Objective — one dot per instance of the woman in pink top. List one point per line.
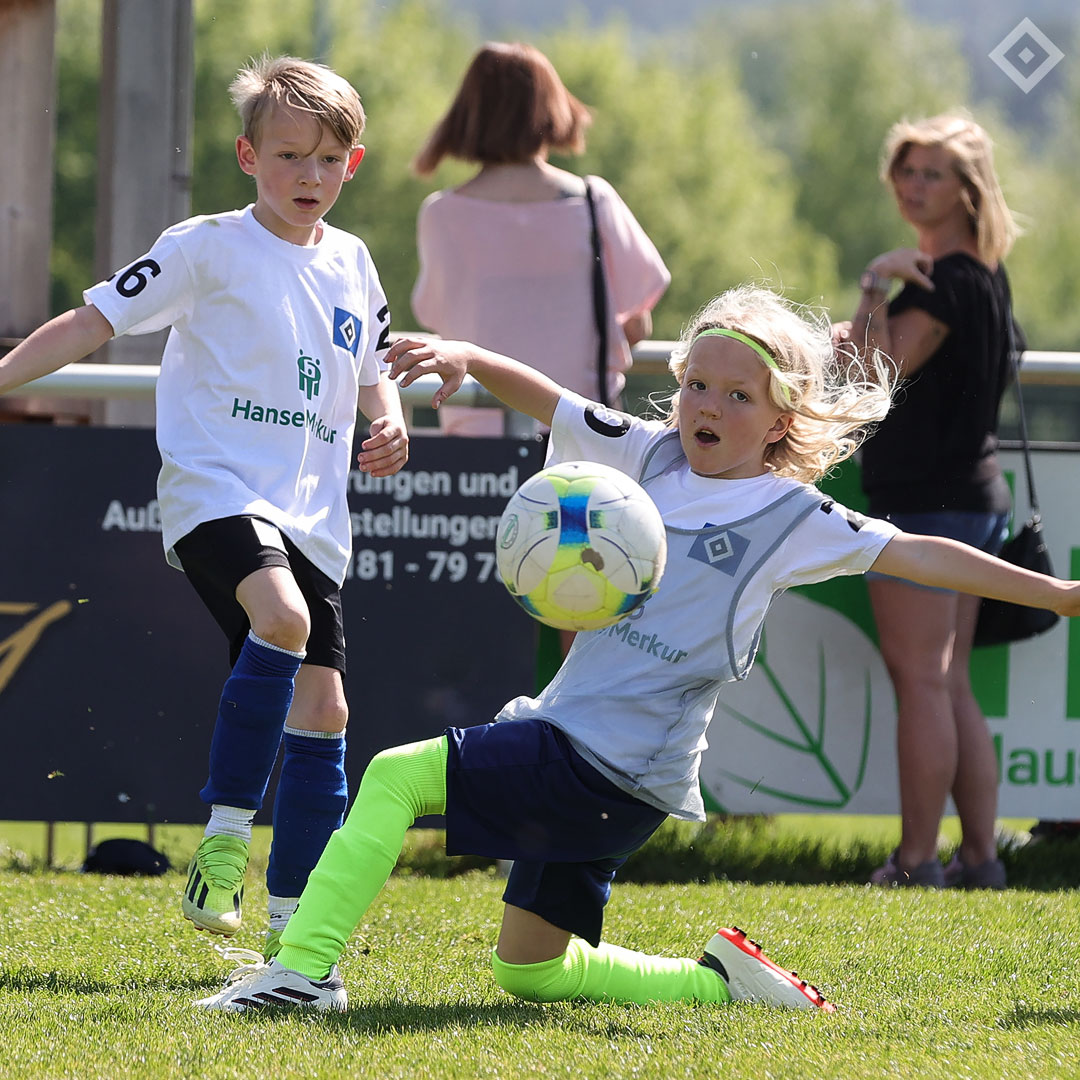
(506, 258)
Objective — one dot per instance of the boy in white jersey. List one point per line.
(572, 782)
(279, 328)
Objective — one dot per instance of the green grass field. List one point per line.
(97, 974)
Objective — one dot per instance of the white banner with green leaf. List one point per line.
(813, 728)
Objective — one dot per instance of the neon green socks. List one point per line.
(609, 973)
(398, 786)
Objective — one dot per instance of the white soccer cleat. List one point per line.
(257, 985)
(751, 976)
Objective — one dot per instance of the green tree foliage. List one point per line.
(680, 145)
(78, 62)
(827, 89)
(1045, 264)
(748, 149)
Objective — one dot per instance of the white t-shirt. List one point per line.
(636, 698)
(256, 401)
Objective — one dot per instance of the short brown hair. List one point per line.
(297, 84)
(511, 104)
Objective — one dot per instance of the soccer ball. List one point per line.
(580, 545)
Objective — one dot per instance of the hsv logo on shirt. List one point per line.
(721, 549)
(347, 330)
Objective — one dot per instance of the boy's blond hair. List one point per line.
(297, 84)
(834, 395)
(972, 153)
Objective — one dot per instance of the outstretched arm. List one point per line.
(386, 450)
(63, 340)
(948, 564)
(517, 385)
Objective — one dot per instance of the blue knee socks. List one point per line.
(251, 715)
(311, 798)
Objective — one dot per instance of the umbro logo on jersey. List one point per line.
(607, 422)
(855, 521)
(721, 548)
(347, 330)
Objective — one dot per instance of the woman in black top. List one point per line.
(932, 468)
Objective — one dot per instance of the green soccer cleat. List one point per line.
(272, 945)
(214, 894)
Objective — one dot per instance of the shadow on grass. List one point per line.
(1024, 1016)
(28, 980)
(393, 1017)
(753, 851)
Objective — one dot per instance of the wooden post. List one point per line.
(27, 133)
(144, 154)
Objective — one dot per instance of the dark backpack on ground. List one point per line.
(120, 856)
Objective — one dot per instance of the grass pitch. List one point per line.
(97, 977)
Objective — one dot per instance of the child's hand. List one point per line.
(410, 358)
(387, 449)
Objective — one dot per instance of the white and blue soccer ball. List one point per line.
(580, 545)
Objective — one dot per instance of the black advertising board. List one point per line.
(110, 668)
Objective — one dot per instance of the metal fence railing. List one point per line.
(131, 381)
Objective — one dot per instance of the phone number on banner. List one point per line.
(444, 566)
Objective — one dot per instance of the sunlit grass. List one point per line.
(98, 975)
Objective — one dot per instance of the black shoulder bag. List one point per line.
(599, 292)
(1001, 622)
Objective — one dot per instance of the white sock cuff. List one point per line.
(314, 734)
(230, 821)
(277, 648)
(280, 910)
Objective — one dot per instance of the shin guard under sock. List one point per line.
(254, 704)
(312, 794)
(398, 786)
(610, 973)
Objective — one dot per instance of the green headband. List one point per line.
(768, 359)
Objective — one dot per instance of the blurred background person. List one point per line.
(932, 468)
(506, 259)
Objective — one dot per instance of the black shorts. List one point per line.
(218, 555)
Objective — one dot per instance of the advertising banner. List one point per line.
(110, 668)
(813, 727)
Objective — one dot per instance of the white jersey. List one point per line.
(636, 698)
(256, 401)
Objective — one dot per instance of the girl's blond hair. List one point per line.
(297, 84)
(835, 395)
(972, 152)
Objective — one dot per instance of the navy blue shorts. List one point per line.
(518, 790)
